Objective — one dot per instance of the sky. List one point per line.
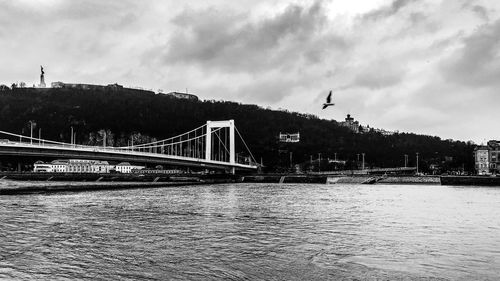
(423, 66)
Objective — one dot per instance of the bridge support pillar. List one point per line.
(208, 139)
(208, 142)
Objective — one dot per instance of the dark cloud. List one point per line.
(477, 9)
(231, 42)
(387, 11)
(477, 62)
(379, 74)
(480, 11)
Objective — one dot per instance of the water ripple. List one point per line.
(253, 232)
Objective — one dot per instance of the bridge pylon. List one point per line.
(208, 139)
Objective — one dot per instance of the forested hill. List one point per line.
(123, 113)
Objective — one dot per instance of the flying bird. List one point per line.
(328, 101)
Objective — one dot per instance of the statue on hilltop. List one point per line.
(42, 77)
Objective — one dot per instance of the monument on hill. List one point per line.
(42, 78)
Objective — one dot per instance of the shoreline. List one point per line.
(342, 179)
(29, 183)
(14, 187)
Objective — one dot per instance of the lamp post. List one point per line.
(310, 163)
(319, 162)
(417, 162)
(31, 130)
(406, 160)
(71, 135)
(363, 166)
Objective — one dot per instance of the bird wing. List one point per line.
(325, 106)
(329, 98)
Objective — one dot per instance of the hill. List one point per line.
(143, 115)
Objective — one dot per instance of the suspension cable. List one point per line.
(248, 149)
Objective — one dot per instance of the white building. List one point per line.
(79, 166)
(101, 167)
(59, 166)
(289, 137)
(73, 166)
(126, 168)
(481, 159)
(41, 167)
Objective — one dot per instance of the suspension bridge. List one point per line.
(210, 146)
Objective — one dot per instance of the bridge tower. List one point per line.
(208, 139)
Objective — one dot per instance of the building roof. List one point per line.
(59, 162)
(481, 147)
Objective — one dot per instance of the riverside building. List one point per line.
(487, 158)
(73, 166)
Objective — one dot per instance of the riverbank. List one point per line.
(341, 179)
(24, 183)
(14, 187)
(470, 180)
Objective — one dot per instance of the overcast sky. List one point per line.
(429, 67)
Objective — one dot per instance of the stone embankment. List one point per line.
(411, 180)
(24, 183)
(351, 179)
(10, 187)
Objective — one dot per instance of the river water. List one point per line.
(254, 232)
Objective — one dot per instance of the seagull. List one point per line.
(328, 101)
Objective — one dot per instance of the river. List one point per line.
(254, 232)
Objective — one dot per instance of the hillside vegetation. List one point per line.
(143, 115)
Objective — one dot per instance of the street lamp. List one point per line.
(319, 162)
(363, 166)
(31, 130)
(417, 162)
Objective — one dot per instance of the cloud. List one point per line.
(477, 62)
(379, 74)
(398, 64)
(229, 41)
(387, 11)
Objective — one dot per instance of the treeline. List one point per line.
(125, 114)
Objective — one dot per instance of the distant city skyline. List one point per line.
(428, 67)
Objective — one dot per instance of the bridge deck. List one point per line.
(111, 154)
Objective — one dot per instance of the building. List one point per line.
(481, 159)
(356, 127)
(289, 137)
(41, 167)
(101, 167)
(494, 156)
(59, 166)
(73, 166)
(79, 166)
(186, 96)
(127, 168)
(350, 123)
(487, 158)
